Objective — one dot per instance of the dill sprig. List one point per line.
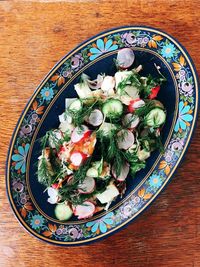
(78, 117)
(110, 151)
(67, 191)
(44, 172)
(150, 83)
(143, 111)
(44, 140)
(132, 79)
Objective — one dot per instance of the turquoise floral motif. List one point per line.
(184, 117)
(102, 47)
(168, 50)
(155, 181)
(37, 221)
(101, 225)
(20, 158)
(47, 93)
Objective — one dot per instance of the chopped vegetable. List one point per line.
(125, 58)
(104, 134)
(83, 90)
(87, 186)
(108, 85)
(107, 128)
(112, 108)
(85, 210)
(134, 104)
(63, 212)
(108, 195)
(154, 92)
(130, 121)
(95, 118)
(77, 158)
(123, 174)
(79, 133)
(125, 139)
(155, 118)
(75, 106)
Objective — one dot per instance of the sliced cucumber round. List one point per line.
(112, 108)
(63, 212)
(75, 106)
(155, 118)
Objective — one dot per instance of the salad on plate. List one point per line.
(105, 134)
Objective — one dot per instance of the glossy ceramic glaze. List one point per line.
(179, 95)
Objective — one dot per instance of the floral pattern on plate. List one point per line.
(130, 37)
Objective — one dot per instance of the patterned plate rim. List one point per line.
(108, 224)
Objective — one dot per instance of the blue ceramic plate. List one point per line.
(179, 95)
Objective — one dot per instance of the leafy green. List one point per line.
(132, 79)
(78, 117)
(150, 83)
(135, 167)
(44, 173)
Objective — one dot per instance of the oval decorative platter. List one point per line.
(179, 95)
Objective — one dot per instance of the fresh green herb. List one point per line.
(44, 139)
(78, 117)
(53, 165)
(150, 83)
(45, 172)
(67, 192)
(132, 79)
(111, 152)
(135, 167)
(143, 111)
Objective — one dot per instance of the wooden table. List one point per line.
(34, 35)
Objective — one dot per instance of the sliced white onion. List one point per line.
(96, 84)
(53, 195)
(108, 85)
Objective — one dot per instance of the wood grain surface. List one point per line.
(34, 35)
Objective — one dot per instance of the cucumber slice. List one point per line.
(155, 118)
(75, 106)
(63, 212)
(112, 108)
